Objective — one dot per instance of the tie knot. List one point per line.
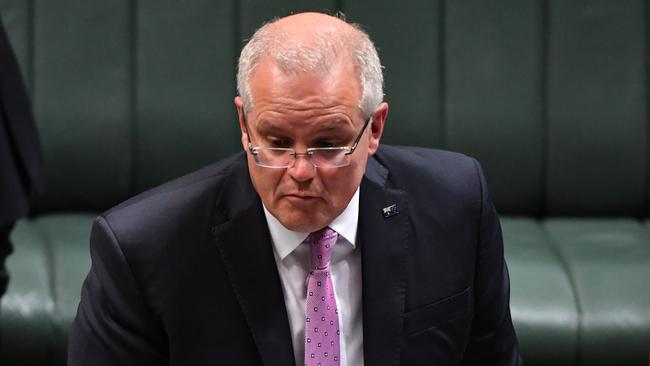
(321, 243)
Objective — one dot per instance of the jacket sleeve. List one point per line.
(492, 340)
(113, 325)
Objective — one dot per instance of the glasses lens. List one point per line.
(273, 158)
(330, 158)
(334, 157)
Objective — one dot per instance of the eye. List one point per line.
(327, 143)
(279, 142)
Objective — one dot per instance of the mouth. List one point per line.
(302, 199)
(303, 196)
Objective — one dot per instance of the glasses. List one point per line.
(320, 157)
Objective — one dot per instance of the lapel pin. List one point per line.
(390, 211)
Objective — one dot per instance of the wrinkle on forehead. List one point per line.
(334, 123)
(304, 96)
(319, 105)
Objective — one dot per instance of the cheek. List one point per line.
(265, 182)
(343, 182)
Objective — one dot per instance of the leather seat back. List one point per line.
(550, 96)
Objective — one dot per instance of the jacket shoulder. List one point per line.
(211, 174)
(434, 180)
(418, 165)
(182, 201)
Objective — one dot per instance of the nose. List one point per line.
(302, 169)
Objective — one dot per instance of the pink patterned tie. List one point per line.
(321, 318)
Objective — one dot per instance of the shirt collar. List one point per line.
(286, 241)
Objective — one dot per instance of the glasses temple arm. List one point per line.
(248, 136)
(356, 141)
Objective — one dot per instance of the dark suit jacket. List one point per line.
(185, 274)
(20, 151)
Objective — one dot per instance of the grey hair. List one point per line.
(294, 55)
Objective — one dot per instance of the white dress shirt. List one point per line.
(292, 259)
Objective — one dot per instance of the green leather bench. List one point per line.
(551, 96)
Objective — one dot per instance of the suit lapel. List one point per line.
(245, 246)
(242, 236)
(384, 242)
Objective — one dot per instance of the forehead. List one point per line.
(281, 126)
(336, 89)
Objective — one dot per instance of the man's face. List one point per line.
(300, 111)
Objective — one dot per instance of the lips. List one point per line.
(302, 199)
(302, 196)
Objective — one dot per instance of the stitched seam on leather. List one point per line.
(52, 280)
(442, 72)
(647, 103)
(133, 97)
(574, 288)
(543, 205)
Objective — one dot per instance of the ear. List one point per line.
(239, 105)
(377, 127)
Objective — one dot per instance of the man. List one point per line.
(20, 151)
(315, 246)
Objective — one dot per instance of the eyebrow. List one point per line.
(267, 127)
(335, 125)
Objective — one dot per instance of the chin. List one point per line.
(302, 218)
(303, 223)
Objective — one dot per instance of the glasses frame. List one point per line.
(254, 150)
